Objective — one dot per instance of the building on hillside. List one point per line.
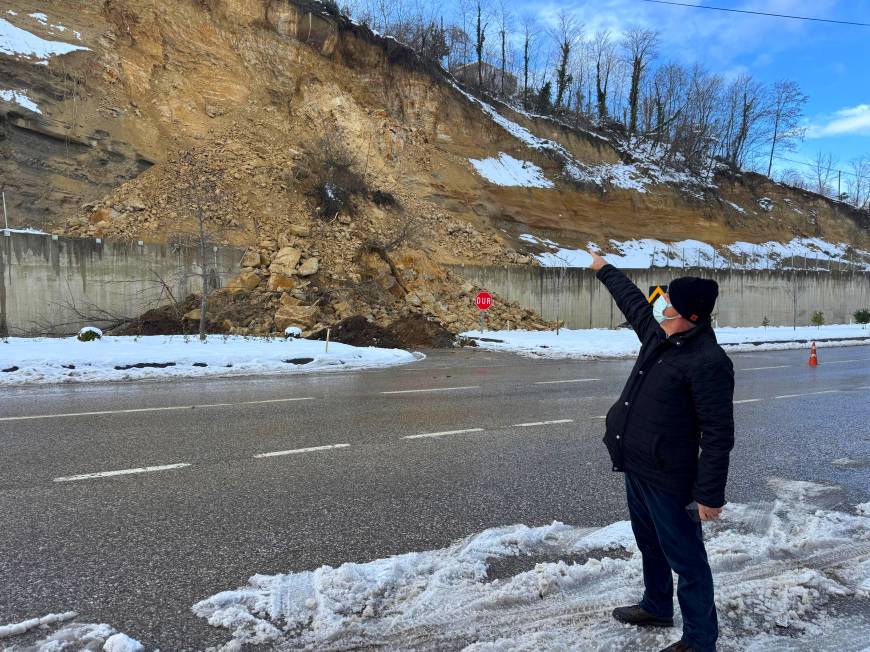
(492, 78)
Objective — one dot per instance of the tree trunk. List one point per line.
(203, 303)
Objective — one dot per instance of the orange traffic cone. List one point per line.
(814, 359)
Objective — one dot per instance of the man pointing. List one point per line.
(671, 432)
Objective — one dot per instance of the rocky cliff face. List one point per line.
(139, 116)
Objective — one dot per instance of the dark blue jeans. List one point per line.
(669, 540)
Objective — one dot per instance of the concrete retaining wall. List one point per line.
(44, 279)
(745, 297)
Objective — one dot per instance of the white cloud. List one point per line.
(720, 39)
(851, 120)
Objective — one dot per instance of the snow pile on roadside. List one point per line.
(622, 342)
(19, 42)
(51, 360)
(645, 253)
(69, 637)
(20, 98)
(778, 567)
(14, 629)
(508, 171)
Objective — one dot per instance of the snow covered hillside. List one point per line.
(799, 253)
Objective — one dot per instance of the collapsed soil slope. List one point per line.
(231, 107)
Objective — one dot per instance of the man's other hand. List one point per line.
(598, 261)
(708, 513)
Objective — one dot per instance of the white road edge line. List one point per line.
(748, 400)
(436, 389)
(827, 391)
(560, 382)
(108, 474)
(841, 361)
(779, 366)
(443, 434)
(153, 409)
(541, 423)
(296, 451)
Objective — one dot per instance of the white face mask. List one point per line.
(659, 307)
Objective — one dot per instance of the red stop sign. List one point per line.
(483, 300)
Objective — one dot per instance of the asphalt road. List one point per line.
(505, 440)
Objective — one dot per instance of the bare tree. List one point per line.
(823, 169)
(640, 46)
(858, 182)
(505, 20)
(604, 60)
(785, 111)
(529, 34)
(744, 107)
(566, 36)
(480, 39)
(202, 193)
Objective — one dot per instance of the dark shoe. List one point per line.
(635, 615)
(679, 646)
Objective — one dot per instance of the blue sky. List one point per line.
(830, 62)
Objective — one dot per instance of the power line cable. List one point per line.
(812, 165)
(760, 13)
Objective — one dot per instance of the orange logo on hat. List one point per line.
(694, 317)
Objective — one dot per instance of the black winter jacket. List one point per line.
(679, 398)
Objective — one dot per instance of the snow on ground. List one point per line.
(20, 98)
(622, 342)
(26, 229)
(779, 567)
(52, 360)
(19, 42)
(508, 171)
(791, 574)
(73, 637)
(799, 253)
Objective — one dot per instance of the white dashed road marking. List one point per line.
(443, 434)
(779, 366)
(297, 451)
(827, 391)
(560, 382)
(541, 423)
(436, 389)
(108, 474)
(154, 409)
(748, 400)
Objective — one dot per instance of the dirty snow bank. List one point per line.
(51, 360)
(777, 565)
(508, 171)
(622, 342)
(791, 574)
(19, 42)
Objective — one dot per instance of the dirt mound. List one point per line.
(412, 331)
(358, 331)
(418, 331)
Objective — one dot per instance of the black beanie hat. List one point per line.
(693, 297)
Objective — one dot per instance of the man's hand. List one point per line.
(597, 260)
(708, 513)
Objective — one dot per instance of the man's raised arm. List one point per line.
(629, 299)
